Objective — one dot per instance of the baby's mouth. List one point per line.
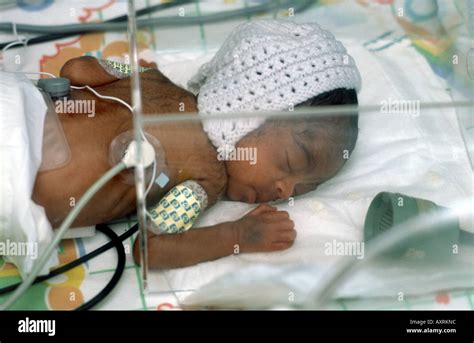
(249, 197)
(244, 194)
(261, 197)
(252, 197)
(265, 199)
(248, 194)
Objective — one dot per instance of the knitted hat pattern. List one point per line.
(268, 65)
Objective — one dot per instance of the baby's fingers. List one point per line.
(281, 245)
(262, 208)
(283, 240)
(276, 216)
(286, 236)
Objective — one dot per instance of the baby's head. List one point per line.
(276, 65)
(293, 156)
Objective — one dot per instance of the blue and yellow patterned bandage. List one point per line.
(178, 209)
(117, 69)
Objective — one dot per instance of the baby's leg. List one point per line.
(86, 70)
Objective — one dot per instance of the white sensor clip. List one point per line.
(130, 154)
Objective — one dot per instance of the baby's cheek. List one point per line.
(232, 191)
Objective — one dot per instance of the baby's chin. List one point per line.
(251, 197)
(241, 194)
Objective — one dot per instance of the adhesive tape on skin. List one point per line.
(56, 152)
(119, 146)
(177, 211)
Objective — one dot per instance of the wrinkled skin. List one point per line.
(278, 173)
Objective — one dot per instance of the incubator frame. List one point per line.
(463, 108)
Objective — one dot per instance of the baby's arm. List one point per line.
(264, 229)
(87, 70)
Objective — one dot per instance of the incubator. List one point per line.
(391, 228)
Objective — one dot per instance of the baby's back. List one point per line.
(188, 152)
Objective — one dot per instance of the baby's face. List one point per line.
(283, 167)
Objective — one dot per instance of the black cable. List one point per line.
(117, 274)
(211, 18)
(148, 10)
(77, 262)
(115, 241)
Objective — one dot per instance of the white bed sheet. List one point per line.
(419, 155)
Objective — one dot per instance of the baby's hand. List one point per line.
(265, 229)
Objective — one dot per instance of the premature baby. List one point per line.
(264, 65)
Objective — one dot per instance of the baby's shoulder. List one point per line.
(191, 156)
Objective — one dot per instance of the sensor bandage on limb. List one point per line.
(177, 211)
(117, 69)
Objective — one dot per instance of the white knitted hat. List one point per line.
(268, 65)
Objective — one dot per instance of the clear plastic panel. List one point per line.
(415, 138)
(39, 43)
(414, 111)
(420, 155)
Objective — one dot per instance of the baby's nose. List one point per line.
(284, 189)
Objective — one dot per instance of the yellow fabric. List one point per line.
(176, 211)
